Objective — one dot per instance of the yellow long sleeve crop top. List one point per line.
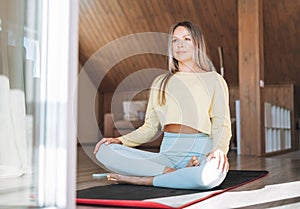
(198, 100)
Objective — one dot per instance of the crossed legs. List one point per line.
(138, 167)
(146, 180)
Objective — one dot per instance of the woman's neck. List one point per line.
(190, 67)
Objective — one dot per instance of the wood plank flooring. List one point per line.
(284, 174)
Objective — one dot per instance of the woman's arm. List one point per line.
(220, 117)
(147, 131)
(221, 125)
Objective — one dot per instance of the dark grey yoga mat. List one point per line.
(128, 194)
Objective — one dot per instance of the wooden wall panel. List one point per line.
(281, 44)
(281, 95)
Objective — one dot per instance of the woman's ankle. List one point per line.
(168, 170)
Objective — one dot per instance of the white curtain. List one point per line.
(11, 41)
(13, 140)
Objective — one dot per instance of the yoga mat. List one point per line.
(153, 197)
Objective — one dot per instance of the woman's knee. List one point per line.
(210, 176)
(103, 153)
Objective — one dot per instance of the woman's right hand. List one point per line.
(106, 141)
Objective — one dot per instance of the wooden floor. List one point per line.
(272, 191)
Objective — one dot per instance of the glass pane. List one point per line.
(19, 95)
(38, 69)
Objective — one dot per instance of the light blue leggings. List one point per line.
(175, 152)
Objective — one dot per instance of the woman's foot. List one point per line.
(193, 162)
(168, 170)
(137, 180)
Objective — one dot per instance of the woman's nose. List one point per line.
(180, 43)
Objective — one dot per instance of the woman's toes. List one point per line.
(193, 162)
(113, 178)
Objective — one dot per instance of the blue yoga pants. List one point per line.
(175, 152)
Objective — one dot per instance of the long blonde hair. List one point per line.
(199, 56)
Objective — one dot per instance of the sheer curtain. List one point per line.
(38, 102)
(12, 14)
(13, 134)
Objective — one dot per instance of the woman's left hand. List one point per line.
(221, 158)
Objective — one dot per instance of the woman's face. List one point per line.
(182, 45)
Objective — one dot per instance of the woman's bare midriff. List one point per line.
(178, 128)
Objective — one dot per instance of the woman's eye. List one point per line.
(187, 39)
(174, 40)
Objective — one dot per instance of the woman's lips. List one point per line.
(180, 52)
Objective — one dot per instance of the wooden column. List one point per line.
(251, 72)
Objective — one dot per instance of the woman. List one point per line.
(190, 103)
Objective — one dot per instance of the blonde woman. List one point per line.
(190, 103)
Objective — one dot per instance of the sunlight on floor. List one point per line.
(243, 199)
(16, 191)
